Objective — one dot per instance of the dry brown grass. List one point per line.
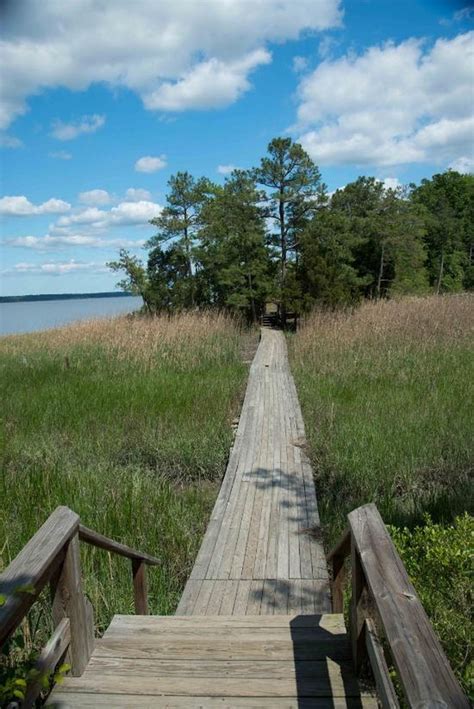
(146, 341)
(426, 321)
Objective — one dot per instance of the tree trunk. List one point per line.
(281, 208)
(440, 275)
(187, 247)
(381, 267)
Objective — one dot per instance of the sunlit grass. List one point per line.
(128, 422)
(386, 393)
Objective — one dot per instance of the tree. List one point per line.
(136, 279)
(326, 270)
(293, 193)
(448, 199)
(235, 264)
(388, 231)
(179, 221)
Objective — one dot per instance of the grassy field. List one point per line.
(128, 422)
(387, 393)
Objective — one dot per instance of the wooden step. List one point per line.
(229, 661)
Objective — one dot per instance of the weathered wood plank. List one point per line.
(69, 602)
(33, 567)
(49, 657)
(385, 690)
(423, 668)
(86, 700)
(99, 540)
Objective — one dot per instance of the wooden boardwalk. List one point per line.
(254, 626)
(260, 554)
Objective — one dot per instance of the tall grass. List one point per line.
(387, 399)
(128, 422)
(385, 392)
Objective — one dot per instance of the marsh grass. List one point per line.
(128, 422)
(386, 392)
(387, 399)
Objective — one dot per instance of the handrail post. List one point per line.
(140, 586)
(69, 602)
(357, 623)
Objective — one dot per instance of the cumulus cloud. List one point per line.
(174, 54)
(20, 206)
(69, 131)
(55, 268)
(464, 165)
(124, 213)
(150, 164)
(58, 243)
(210, 84)
(60, 155)
(99, 197)
(392, 104)
(134, 194)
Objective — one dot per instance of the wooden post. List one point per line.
(69, 602)
(357, 623)
(140, 589)
(337, 586)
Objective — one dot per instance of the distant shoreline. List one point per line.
(62, 296)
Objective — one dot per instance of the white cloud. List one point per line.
(20, 206)
(60, 155)
(226, 169)
(299, 64)
(125, 213)
(150, 164)
(99, 197)
(393, 104)
(166, 52)
(209, 84)
(58, 243)
(391, 183)
(463, 165)
(134, 194)
(69, 131)
(55, 268)
(9, 141)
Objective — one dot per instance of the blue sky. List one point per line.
(101, 104)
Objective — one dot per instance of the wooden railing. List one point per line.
(52, 556)
(385, 603)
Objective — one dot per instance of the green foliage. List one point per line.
(439, 559)
(294, 192)
(234, 262)
(448, 199)
(273, 234)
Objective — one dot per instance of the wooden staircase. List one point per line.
(225, 661)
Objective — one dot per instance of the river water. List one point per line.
(23, 316)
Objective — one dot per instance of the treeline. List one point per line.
(273, 233)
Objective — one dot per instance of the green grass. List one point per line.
(387, 393)
(128, 423)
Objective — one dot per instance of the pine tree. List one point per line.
(179, 222)
(235, 262)
(293, 193)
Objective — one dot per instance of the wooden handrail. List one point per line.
(24, 579)
(382, 592)
(99, 540)
(52, 555)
